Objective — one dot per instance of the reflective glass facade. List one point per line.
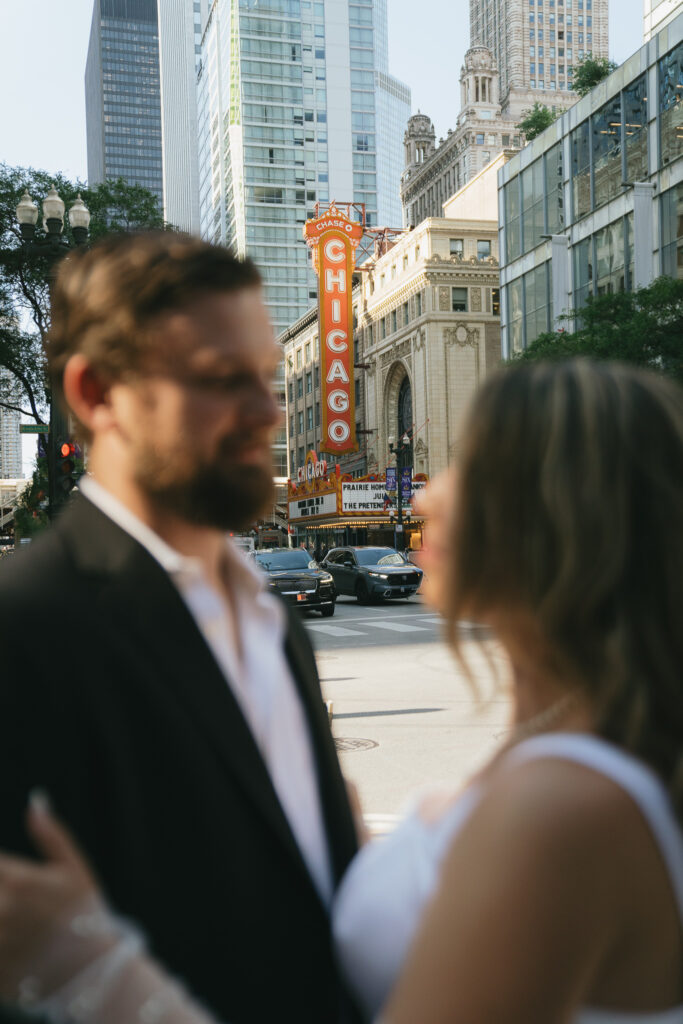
(534, 204)
(671, 105)
(123, 105)
(295, 106)
(672, 232)
(610, 149)
(597, 199)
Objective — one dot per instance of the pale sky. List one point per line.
(43, 47)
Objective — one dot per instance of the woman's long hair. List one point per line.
(571, 511)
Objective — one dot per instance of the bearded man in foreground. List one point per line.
(169, 706)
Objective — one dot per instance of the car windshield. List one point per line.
(379, 556)
(274, 561)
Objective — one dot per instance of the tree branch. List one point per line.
(28, 388)
(17, 408)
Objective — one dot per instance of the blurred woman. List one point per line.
(551, 889)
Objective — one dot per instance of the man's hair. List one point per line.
(105, 298)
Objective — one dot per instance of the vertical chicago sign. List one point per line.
(333, 239)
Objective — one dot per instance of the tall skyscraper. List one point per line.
(536, 43)
(10, 442)
(122, 94)
(295, 105)
(141, 104)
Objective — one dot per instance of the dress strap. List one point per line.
(633, 776)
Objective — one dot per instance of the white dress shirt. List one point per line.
(260, 679)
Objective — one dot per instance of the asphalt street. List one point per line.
(406, 716)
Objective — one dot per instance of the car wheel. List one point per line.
(362, 594)
(327, 611)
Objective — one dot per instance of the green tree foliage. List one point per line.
(589, 71)
(644, 327)
(30, 516)
(24, 282)
(25, 300)
(536, 120)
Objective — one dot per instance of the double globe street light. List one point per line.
(52, 246)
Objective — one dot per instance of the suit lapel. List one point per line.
(341, 833)
(138, 599)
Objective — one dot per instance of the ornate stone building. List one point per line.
(428, 332)
(535, 44)
(434, 174)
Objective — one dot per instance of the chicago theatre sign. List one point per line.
(333, 239)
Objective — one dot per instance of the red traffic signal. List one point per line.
(67, 474)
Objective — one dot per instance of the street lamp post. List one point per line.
(399, 450)
(52, 247)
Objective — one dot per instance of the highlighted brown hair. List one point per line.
(571, 512)
(105, 298)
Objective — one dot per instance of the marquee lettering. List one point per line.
(335, 250)
(338, 279)
(337, 371)
(337, 341)
(333, 239)
(338, 401)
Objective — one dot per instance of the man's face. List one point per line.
(198, 423)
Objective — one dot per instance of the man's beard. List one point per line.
(215, 494)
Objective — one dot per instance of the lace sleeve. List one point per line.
(96, 971)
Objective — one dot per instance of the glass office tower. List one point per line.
(295, 106)
(141, 103)
(595, 205)
(122, 94)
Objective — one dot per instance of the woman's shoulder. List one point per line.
(554, 800)
(556, 827)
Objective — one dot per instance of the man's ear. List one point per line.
(86, 393)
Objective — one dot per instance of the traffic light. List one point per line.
(66, 467)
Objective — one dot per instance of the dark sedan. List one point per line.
(372, 573)
(298, 578)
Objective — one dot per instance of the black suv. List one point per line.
(294, 574)
(372, 573)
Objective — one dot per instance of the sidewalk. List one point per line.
(406, 718)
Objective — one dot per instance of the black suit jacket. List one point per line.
(111, 701)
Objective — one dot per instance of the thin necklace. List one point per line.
(544, 719)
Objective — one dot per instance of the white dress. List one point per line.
(388, 885)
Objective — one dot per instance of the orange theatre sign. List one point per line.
(333, 239)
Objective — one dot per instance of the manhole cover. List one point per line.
(346, 743)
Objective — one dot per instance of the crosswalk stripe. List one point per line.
(334, 630)
(398, 627)
(381, 824)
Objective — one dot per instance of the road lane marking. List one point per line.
(334, 630)
(381, 824)
(397, 627)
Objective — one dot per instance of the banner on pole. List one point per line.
(406, 483)
(333, 239)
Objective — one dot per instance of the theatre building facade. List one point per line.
(426, 333)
